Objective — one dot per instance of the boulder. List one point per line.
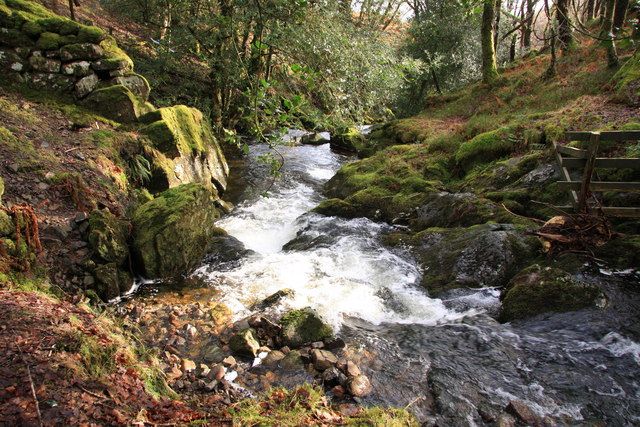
(86, 85)
(245, 343)
(107, 236)
(117, 103)
(45, 65)
(445, 209)
(81, 51)
(77, 68)
(50, 81)
(226, 248)
(183, 149)
(350, 140)
(135, 83)
(303, 326)
(536, 290)
(173, 231)
(316, 138)
(111, 281)
(482, 255)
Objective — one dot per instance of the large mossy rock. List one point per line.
(172, 233)
(538, 290)
(117, 103)
(303, 326)
(108, 236)
(111, 281)
(478, 256)
(622, 253)
(627, 81)
(350, 140)
(486, 147)
(183, 149)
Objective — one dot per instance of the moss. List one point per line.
(98, 360)
(7, 227)
(114, 57)
(116, 103)
(32, 29)
(178, 130)
(108, 236)
(627, 81)
(93, 35)
(14, 38)
(486, 147)
(350, 139)
(538, 290)
(303, 406)
(623, 252)
(49, 41)
(337, 207)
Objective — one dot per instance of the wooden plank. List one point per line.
(619, 212)
(573, 152)
(602, 185)
(584, 194)
(603, 163)
(631, 135)
(564, 172)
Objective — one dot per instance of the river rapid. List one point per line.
(447, 359)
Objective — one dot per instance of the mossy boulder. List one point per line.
(80, 51)
(111, 281)
(50, 41)
(183, 149)
(172, 232)
(537, 290)
(245, 343)
(478, 256)
(303, 326)
(14, 38)
(622, 253)
(486, 147)
(108, 236)
(337, 207)
(117, 103)
(114, 58)
(627, 81)
(135, 83)
(90, 34)
(350, 140)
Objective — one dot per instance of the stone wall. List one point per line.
(50, 51)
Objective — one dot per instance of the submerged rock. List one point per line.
(173, 232)
(482, 255)
(537, 290)
(316, 138)
(303, 326)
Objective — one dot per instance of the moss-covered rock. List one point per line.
(337, 207)
(108, 236)
(303, 326)
(111, 281)
(350, 139)
(627, 81)
(117, 103)
(537, 290)
(49, 41)
(622, 253)
(183, 149)
(245, 343)
(80, 51)
(89, 34)
(135, 83)
(478, 256)
(173, 231)
(114, 57)
(486, 147)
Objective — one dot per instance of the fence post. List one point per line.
(594, 142)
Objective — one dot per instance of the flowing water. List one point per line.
(448, 359)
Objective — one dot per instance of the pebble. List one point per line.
(323, 359)
(229, 361)
(360, 386)
(217, 372)
(188, 365)
(352, 369)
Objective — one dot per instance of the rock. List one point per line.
(188, 365)
(212, 354)
(323, 359)
(245, 343)
(224, 248)
(81, 51)
(229, 361)
(273, 357)
(292, 360)
(522, 412)
(541, 175)
(203, 370)
(316, 138)
(482, 255)
(335, 344)
(45, 65)
(352, 369)
(360, 386)
(117, 103)
(78, 69)
(275, 298)
(350, 140)
(454, 210)
(332, 377)
(135, 83)
(173, 231)
(217, 372)
(111, 281)
(185, 149)
(86, 85)
(338, 391)
(107, 236)
(538, 289)
(303, 326)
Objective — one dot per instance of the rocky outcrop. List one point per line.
(49, 51)
(172, 233)
(183, 149)
(538, 290)
(478, 256)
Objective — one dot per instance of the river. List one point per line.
(447, 359)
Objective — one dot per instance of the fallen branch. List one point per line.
(33, 387)
(539, 221)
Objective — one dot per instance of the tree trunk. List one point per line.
(512, 48)
(565, 33)
(489, 65)
(551, 71)
(435, 80)
(72, 11)
(528, 27)
(496, 25)
(607, 33)
(620, 15)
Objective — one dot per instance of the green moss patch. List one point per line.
(304, 326)
(487, 147)
(117, 103)
(627, 81)
(178, 130)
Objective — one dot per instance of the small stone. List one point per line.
(217, 372)
(229, 361)
(317, 344)
(80, 217)
(174, 373)
(14, 167)
(335, 344)
(352, 369)
(188, 365)
(331, 377)
(203, 370)
(285, 349)
(360, 386)
(190, 330)
(323, 359)
(273, 357)
(211, 386)
(338, 391)
(245, 343)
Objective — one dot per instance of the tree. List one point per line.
(565, 33)
(489, 62)
(620, 15)
(608, 35)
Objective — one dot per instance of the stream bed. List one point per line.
(447, 359)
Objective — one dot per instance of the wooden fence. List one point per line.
(574, 158)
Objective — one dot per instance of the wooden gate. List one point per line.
(569, 158)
